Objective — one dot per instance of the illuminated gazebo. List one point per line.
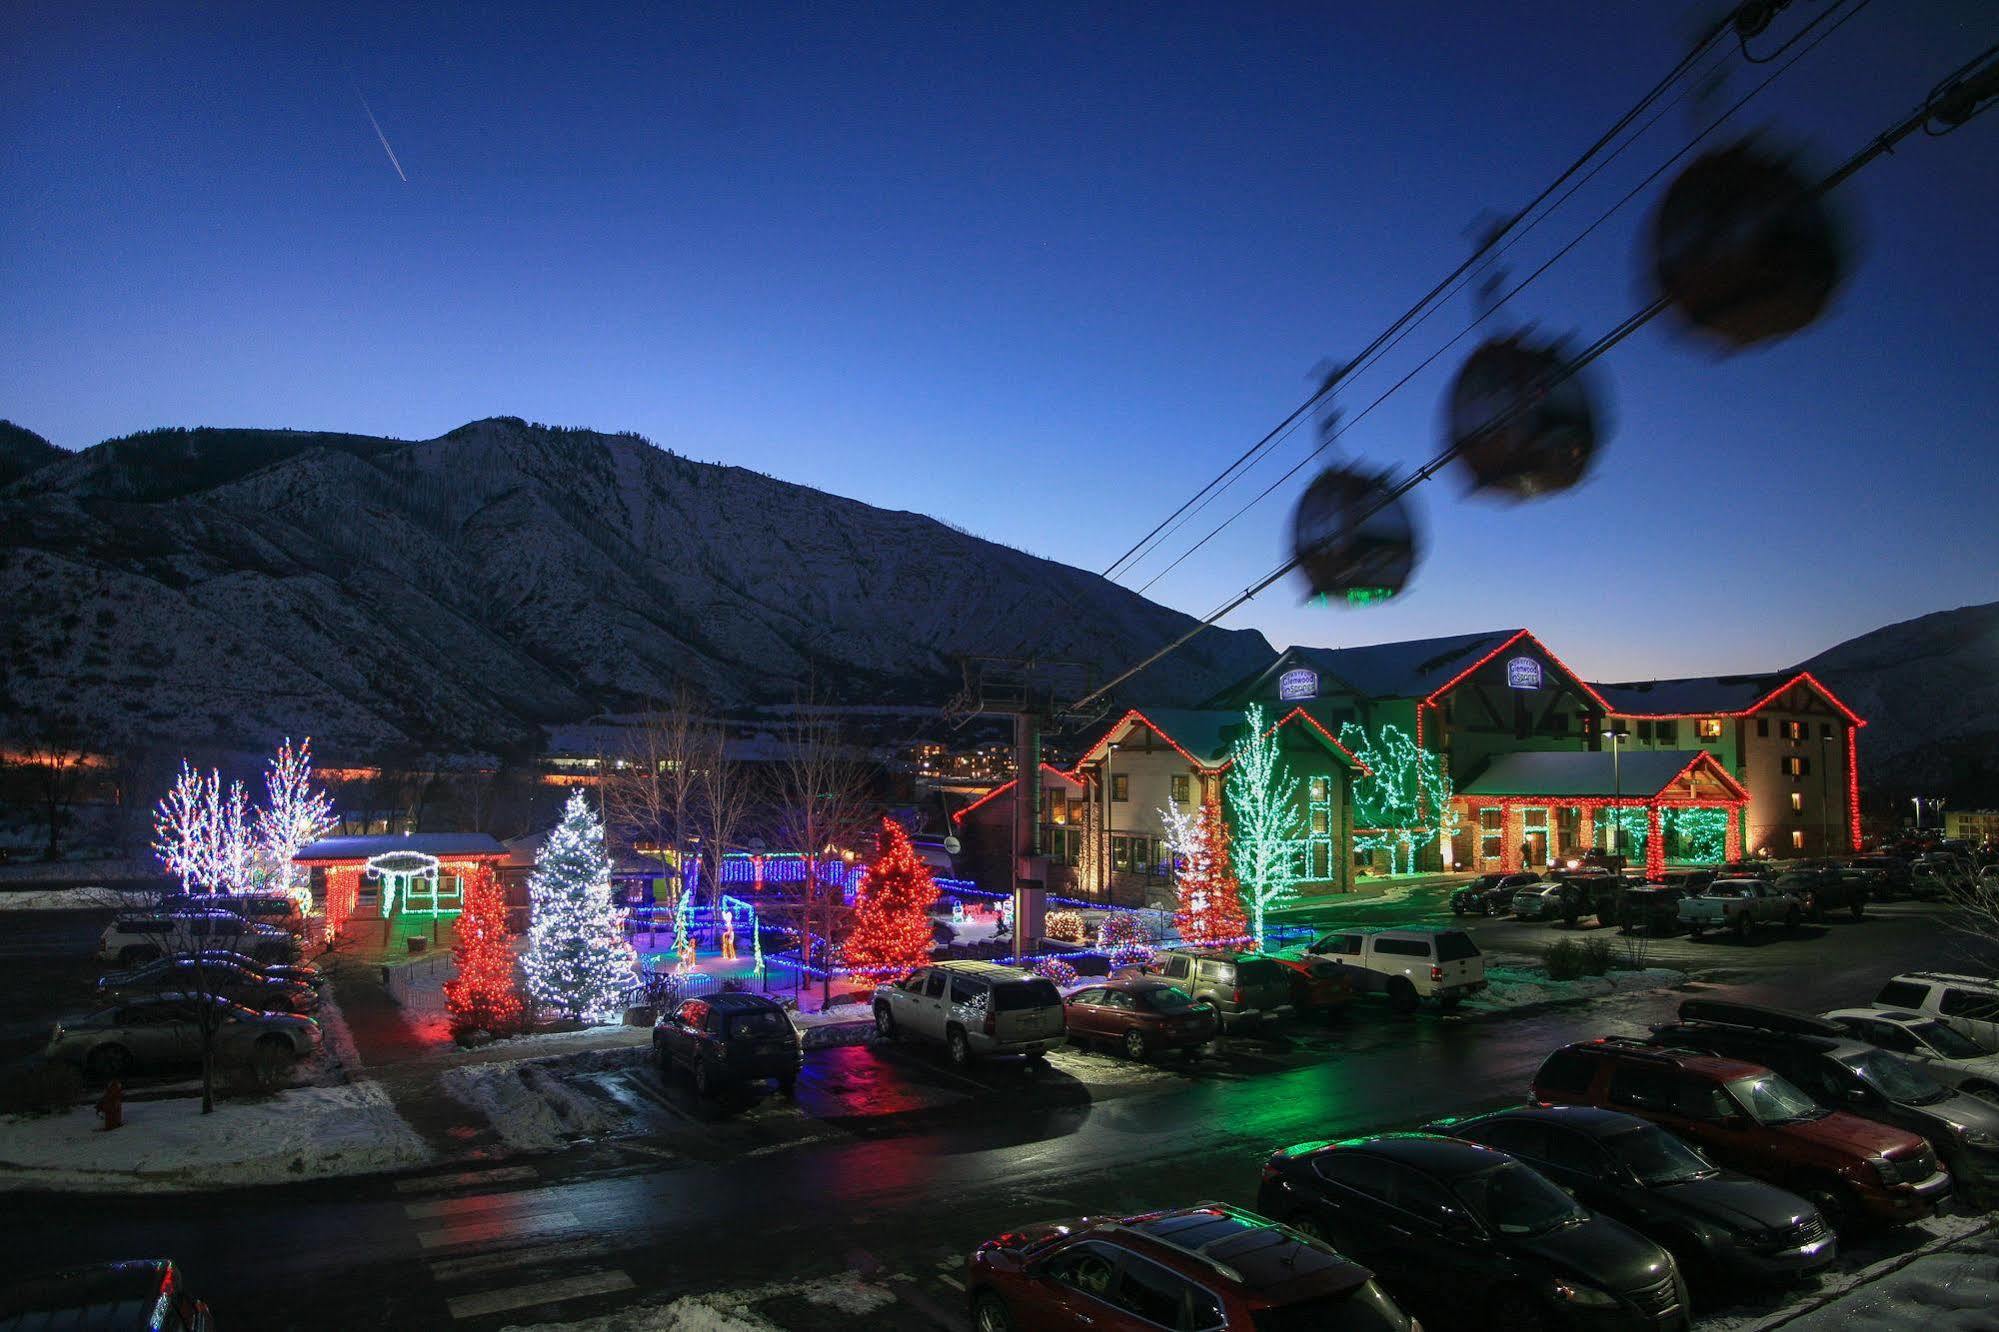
(409, 883)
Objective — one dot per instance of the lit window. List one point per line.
(1797, 802)
(1797, 839)
(1710, 728)
(1121, 786)
(1179, 785)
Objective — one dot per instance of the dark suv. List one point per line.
(1821, 892)
(1841, 1072)
(1243, 987)
(1747, 1117)
(1712, 1221)
(1469, 1237)
(1490, 894)
(1209, 1267)
(728, 1039)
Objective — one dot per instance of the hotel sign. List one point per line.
(1294, 685)
(1523, 673)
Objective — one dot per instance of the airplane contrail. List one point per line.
(383, 137)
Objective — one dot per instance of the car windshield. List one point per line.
(1656, 1156)
(1770, 1100)
(1949, 1041)
(751, 1026)
(1167, 999)
(1895, 1078)
(1515, 1201)
(1728, 890)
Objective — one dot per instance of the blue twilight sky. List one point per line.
(1035, 270)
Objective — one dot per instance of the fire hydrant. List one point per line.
(112, 1105)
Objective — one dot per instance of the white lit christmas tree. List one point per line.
(578, 962)
(1263, 818)
(296, 814)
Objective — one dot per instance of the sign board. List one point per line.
(1523, 673)
(1299, 684)
(952, 846)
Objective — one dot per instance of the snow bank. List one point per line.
(1508, 988)
(531, 1108)
(735, 1310)
(170, 1146)
(87, 898)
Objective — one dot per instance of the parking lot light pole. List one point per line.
(1611, 734)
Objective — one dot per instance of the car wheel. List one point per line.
(990, 1314)
(704, 1083)
(1859, 910)
(109, 1061)
(1134, 1044)
(1402, 996)
(1694, 931)
(1740, 924)
(1791, 918)
(884, 1022)
(1511, 1310)
(960, 1047)
(132, 955)
(1836, 1206)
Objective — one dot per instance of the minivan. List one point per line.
(975, 1009)
(1407, 965)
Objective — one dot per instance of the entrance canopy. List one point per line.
(1642, 777)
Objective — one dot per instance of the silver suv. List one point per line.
(976, 1009)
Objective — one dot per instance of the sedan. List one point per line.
(165, 1030)
(1140, 1016)
(1490, 893)
(1712, 1220)
(209, 975)
(1470, 1237)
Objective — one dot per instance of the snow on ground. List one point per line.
(839, 1301)
(529, 1104)
(87, 898)
(1945, 1279)
(1507, 987)
(170, 1146)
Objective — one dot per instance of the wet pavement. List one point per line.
(886, 1158)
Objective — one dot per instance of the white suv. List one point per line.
(136, 938)
(1408, 965)
(975, 1009)
(1968, 1003)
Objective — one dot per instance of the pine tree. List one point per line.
(482, 995)
(891, 934)
(1210, 909)
(578, 962)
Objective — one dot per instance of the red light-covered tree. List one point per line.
(482, 995)
(1210, 910)
(890, 935)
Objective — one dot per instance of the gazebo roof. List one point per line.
(445, 846)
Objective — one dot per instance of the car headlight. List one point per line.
(1976, 1137)
(1580, 1296)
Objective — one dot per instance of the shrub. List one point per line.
(1565, 960)
(1054, 969)
(1597, 956)
(1065, 925)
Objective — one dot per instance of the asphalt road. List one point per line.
(887, 1159)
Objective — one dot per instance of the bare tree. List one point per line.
(722, 807)
(1974, 899)
(823, 806)
(54, 760)
(651, 785)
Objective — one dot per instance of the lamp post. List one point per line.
(1612, 734)
(1917, 801)
(1825, 795)
(1104, 864)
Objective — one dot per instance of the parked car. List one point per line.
(1948, 1054)
(1542, 899)
(1739, 905)
(1211, 1267)
(1651, 908)
(298, 973)
(132, 939)
(975, 1009)
(1934, 876)
(1840, 1072)
(1467, 1236)
(1589, 890)
(1490, 894)
(165, 1030)
(202, 974)
(1822, 892)
(1968, 1003)
(1711, 1220)
(1891, 875)
(1141, 1017)
(1746, 1117)
(270, 908)
(143, 1295)
(728, 1039)
(1319, 988)
(1407, 965)
(1243, 987)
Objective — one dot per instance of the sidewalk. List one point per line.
(1374, 891)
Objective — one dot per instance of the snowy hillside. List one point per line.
(225, 586)
(1929, 688)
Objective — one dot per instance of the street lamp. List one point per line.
(1613, 735)
(1825, 794)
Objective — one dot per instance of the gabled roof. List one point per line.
(1409, 669)
(1712, 695)
(1204, 736)
(1048, 770)
(1637, 775)
(445, 846)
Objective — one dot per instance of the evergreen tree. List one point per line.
(482, 995)
(1210, 899)
(578, 962)
(891, 934)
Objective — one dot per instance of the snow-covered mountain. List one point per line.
(1929, 688)
(221, 587)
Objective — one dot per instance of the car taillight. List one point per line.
(992, 1023)
(1270, 1171)
(1238, 994)
(1436, 973)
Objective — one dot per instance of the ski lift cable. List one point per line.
(1510, 293)
(1882, 144)
(1492, 238)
